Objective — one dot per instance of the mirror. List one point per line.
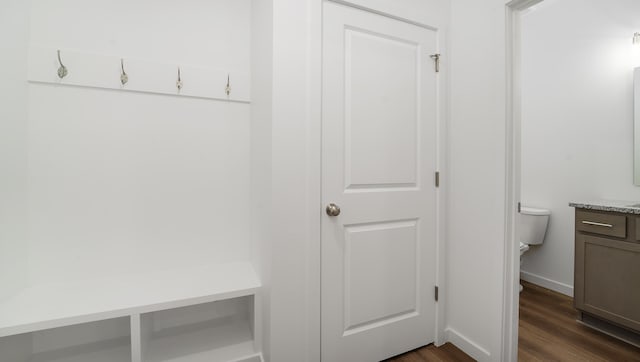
(636, 126)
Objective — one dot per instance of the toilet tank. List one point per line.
(533, 225)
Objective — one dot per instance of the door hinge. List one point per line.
(436, 293)
(436, 58)
(437, 178)
(519, 207)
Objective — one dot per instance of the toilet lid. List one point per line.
(523, 246)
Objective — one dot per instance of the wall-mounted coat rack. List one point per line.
(107, 71)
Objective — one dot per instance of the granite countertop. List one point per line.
(629, 207)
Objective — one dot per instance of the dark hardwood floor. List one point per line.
(548, 332)
(445, 353)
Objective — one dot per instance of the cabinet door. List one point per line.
(608, 279)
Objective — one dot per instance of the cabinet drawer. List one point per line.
(603, 224)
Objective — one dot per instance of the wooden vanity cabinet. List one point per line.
(607, 267)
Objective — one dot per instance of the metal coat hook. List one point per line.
(179, 81)
(62, 71)
(227, 89)
(124, 78)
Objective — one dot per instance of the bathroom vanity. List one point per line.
(607, 267)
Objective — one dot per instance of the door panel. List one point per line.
(380, 273)
(378, 152)
(379, 139)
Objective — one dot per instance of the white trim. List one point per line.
(444, 98)
(468, 346)
(509, 338)
(511, 267)
(314, 179)
(556, 286)
(424, 14)
(151, 76)
(382, 13)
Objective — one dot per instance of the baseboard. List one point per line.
(467, 346)
(547, 283)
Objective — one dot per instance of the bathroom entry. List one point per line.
(379, 152)
(572, 140)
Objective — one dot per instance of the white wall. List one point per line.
(123, 182)
(14, 36)
(476, 180)
(577, 125)
(295, 294)
(204, 33)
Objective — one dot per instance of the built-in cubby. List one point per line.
(217, 331)
(222, 330)
(130, 201)
(197, 314)
(101, 341)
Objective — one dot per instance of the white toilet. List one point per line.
(533, 227)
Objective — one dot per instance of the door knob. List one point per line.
(333, 210)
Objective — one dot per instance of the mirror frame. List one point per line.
(636, 126)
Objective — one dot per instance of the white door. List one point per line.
(378, 161)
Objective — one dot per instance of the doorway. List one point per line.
(511, 283)
(566, 94)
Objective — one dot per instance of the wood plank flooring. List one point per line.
(548, 332)
(445, 353)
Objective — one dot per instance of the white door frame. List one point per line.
(511, 271)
